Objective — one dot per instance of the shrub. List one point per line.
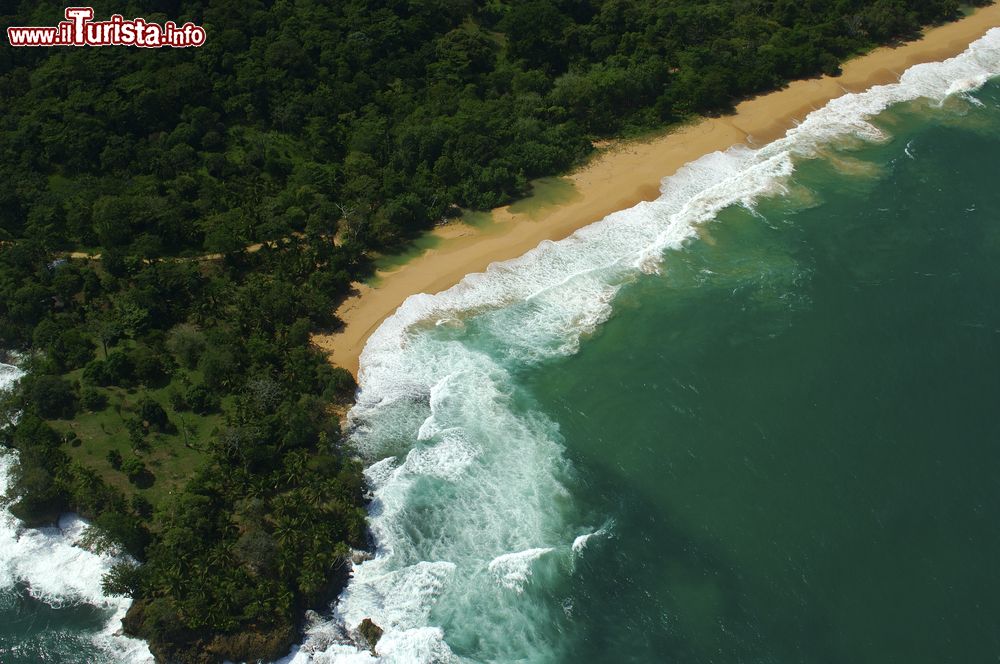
(52, 397)
(124, 528)
(202, 400)
(141, 506)
(137, 434)
(187, 343)
(134, 468)
(148, 366)
(93, 399)
(114, 458)
(298, 332)
(39, 497)
(177, 401)
(119, 368)
(71, 349)
(217, 366)
(340, 386)
(152, 414)
(124, 579)
(96, 373)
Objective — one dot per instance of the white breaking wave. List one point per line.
(472, 473)
(512, 570)
(566, 282)
(580, 543)
(54, 568)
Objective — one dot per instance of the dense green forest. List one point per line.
(172, 395)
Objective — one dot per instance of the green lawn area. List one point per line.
(424, 243)
(171, 458)
(483, 221)
(545, 192)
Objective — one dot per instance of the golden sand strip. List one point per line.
(626, 174)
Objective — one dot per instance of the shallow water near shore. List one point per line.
(751, 422)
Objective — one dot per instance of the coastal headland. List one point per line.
(622, 175)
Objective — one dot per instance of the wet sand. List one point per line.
(621, 176)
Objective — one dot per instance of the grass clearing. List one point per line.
(171, 458)
(545, 193)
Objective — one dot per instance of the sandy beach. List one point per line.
(624, 174)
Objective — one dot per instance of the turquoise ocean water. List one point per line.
(755, 421)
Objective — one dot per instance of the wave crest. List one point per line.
(478, 474)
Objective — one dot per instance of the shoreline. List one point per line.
(624, 175)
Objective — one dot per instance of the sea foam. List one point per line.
(472, 493)
(512, 570)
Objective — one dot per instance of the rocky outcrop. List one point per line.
(371, 633)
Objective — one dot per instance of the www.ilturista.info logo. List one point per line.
(79, 29)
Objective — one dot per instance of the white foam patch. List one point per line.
(512, 570)
(9, 375)
(580, 543)
(54, 568)
(339, 653)
(475, 474)
(397, 598)
(425, 644)
(446, 460)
